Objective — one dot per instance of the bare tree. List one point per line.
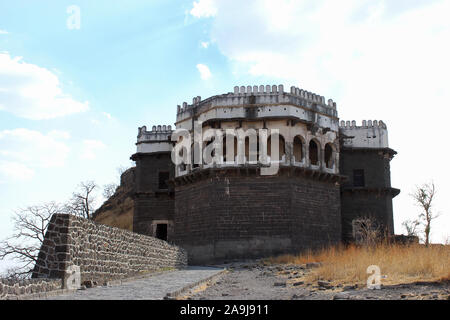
(83, 200)
(109, 190)
(411, 227)
(423, 197)
(366, 231)
(30, 225)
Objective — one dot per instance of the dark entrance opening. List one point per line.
(161, 231)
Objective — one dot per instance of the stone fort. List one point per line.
(330, 173)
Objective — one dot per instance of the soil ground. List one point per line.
(254, 280)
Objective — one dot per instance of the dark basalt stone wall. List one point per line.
(19, 289)
(152, 202)
(374, 198)
(236, 215)
(102, 253)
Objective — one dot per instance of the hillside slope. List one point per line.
(118, 210)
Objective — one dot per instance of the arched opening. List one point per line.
(281, 147)
(313, 153)
(329, 156)
(182, 155)
(251, 149)
(195, 148)
(298, 149)
(209, 151)
(224, 148)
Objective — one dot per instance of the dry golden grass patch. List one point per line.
(401, 264)
(121, 221)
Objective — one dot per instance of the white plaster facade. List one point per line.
(371, 134)
(299, 116)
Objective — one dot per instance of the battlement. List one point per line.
(365, 124)
(157, 140)
(156, 133)
(371, 134)
(262, 90)
(263, 95)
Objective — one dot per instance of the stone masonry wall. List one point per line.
(102, 253)
(374, 199)
(238, 216)
(13, 289)
(151, 202)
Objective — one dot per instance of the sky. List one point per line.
(77, 78)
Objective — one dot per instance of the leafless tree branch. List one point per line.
(423, 197)
(30, 225)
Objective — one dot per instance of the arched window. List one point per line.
(195, 149)
(298, 149)
(329, 161)
(183, 155)
(281, 147)
(251, 154)
(224, 148)
(313, 153)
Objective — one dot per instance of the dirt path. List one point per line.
(253, 280)
(154, 287)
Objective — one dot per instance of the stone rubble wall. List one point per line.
(102, 253)
(13, 289)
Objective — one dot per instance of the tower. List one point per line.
(228, 209)
(365, 160)
(220, 203)
(154, 198)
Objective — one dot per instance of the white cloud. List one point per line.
(379, 59)
(205, 73)
(15, 171)
(107, 115)
(57, 134)
(22, 151)
(91, 148)
(327, 44)
(204, 44)
(203, 9)
(33, 92)
(3, 31)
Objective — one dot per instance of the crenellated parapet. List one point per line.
(156, 140)
(365, 124)
(267, 102)
(370, 134)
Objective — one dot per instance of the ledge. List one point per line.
(255, 170)
(390, 151)
(147, 154)
(393, 191)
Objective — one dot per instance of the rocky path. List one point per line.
(154, 287)
(252, 281)
(245, 281)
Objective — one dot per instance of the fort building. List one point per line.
(329, 173)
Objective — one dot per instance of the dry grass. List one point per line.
(122, 221)
(401, 264)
